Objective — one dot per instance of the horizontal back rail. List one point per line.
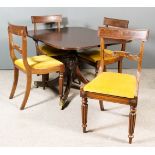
(127, 55)
(16, 47)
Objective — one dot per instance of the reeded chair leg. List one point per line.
(16, 74)
(132, 120)
(61, 82)
(84, 110)
(101, 105)
(27, 92)
(120, 66)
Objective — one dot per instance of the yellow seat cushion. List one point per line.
(116, 84)
(39, 62)
(50, 51)
(94, 55)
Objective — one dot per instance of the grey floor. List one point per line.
(42, 123)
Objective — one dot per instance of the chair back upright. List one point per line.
(20, 31)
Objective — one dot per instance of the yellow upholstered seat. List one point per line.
(39, 62)
(94, 55)
(50, 51)
(117, 84)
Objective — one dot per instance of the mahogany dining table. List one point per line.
(71, 40)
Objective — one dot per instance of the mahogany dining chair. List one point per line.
(116, 87)
(41, 64)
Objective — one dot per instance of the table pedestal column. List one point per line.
(72, 70)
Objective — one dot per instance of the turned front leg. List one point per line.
(132, 120)
(61, 82)
(84, 110)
